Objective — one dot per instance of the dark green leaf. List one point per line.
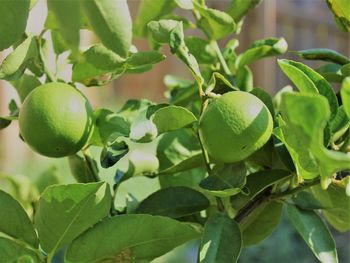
(226, 180)
(334, 202)
(15, 222)
(65, 211)
(221, 240)
(260, 49)
(324, 54)
(13, 21)
(130, 237)
(11, 251)
(258, 182)
(174, 202)
(150, 10)
(172, 118)
(81, 170)
(111, 22)
(261, 223)
(314, 232)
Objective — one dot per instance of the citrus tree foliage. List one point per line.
(207, 185)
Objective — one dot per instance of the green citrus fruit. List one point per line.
(234, 126)
(56, 120)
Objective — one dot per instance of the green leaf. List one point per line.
(201, 50)
(216, 24)
(345, 95)
(178, 47)
(331, 72)
(334, 202)
(340, 10)
(98, 66)
(185, 4)
(108, 127)
(172, 118)
(225, 180)
(11, 251)
(264, 97)
(130, 237)
(111, 22)
(174, 202)
(13, 21)
(239, 8)
(244, 79)
(192, 162)
(25, 85)
(314, 232)
(309, 81)
(16, 223)
(324, 54)
(81, 170)
(16, 60)
(258, 182)
(308, 128)
(6, 121)
(150, 10)
(67, 15)
(260, 49)
(132, 109)
(143, 130)
(66, 211)
(160, 30)
(339, 125)
(261, 223)
(219, 84)
(142, 59)
(47, 178)
(58, 43)
(303, 160)
(221, 240)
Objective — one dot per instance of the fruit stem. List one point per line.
(221, 58)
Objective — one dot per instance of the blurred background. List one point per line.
(303, 23)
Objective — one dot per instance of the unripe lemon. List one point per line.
(56, 119)
(234, 126)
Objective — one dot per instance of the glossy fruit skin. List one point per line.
(234, 126)
(56, 120)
